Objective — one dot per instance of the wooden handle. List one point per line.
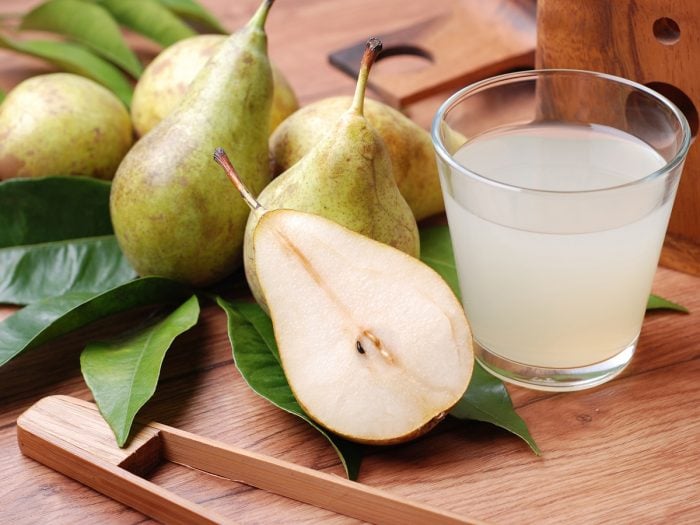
(65, 434)
(300, 483)
(70, 436)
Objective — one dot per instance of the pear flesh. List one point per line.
(166, 80)
(374, 344)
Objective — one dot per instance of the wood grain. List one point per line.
(70, 436)
(471, 41)
(625, 452)
(621, 38)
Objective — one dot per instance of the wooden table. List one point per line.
(625, 452)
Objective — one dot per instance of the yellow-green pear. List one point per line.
(409, 145)
(374, 343)
(346, 177)
(165, 81)
(62, 124)
(174, 213)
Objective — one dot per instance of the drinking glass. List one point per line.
(558, 187)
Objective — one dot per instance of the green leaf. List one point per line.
(45, 320)
(55, 238)
(88, 24)
(2, 96)
(194, 12)
(74, 58)
(53, 209)
(34, 273)
(487, 400)
(149, 18)
(256, 356)
(122, 374)
(436, 252)
(655, 303)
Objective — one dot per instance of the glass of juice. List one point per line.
(558, 186)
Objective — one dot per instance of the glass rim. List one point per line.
(476, 87)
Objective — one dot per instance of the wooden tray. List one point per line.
(626, 452)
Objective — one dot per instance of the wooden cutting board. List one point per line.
(471, 41)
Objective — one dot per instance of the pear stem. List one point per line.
(372, 50)
(260, 16)
(222, 159)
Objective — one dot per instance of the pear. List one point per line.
(410, 147)
(165, 81)
(62, 124)
(346, 177)
(374, 344)
(174, 214)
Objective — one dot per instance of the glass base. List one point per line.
(554, 379)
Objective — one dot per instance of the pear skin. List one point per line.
(174, 213)
(165, 81)
(410, 147)
(62, 124)
(346, 177)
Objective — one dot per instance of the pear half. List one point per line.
(374, 344)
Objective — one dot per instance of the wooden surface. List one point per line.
(656, 43)
(625, 452)
(69, 435)
(500, 35)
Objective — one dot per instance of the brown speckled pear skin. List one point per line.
(165, 81)
(174, 213)
(409, 145)
(347, 177)
(62, 124)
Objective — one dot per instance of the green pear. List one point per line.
(165, 81)
(62, 124)
(174, 212)
(374, 343)
(410, 147)
(346, 177)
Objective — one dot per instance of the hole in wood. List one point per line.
(401, 59)
(681, 100)
(654, 126)
(666, 31)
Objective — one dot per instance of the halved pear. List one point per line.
(374, 344)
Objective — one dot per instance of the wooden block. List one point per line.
(473, 41)
(656, 43)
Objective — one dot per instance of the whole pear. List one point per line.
(409, 145)
(62, 124)
(165, 81)
(347, 178)
(174, 213)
